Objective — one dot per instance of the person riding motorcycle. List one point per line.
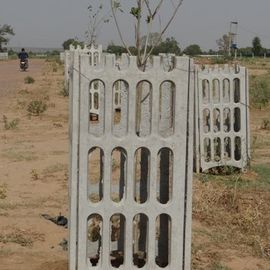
(23, 56)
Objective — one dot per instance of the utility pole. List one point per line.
(233, 38)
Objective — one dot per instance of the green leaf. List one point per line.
(135, 11)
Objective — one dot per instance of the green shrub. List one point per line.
(36, 107)
(29, 80)
(259, 91)
(10, 125)
(265, 124)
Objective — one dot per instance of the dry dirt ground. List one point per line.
(34, 181)
(33, 168)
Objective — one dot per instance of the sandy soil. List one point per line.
(33, 169)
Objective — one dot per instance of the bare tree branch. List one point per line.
(164, 30)
(95, 19)
(118, 28)
(157, 8)
(138, 40)
(172, 3)
(148, 8)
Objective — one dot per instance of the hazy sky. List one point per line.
(47, 23)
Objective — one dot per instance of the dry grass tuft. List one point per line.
(236, 215)
(24, 238)
(3, 191)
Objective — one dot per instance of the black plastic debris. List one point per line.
(58, 220)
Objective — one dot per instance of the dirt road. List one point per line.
(33, 168)
(11, 77)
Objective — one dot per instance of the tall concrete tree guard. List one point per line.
(137, 212)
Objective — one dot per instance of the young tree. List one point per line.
(257, 48)
(146, 14)
(5, 31)
(115, 49)
(97, 18)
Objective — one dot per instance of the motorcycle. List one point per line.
(24, 64)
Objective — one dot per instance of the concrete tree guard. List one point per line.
(150, 218)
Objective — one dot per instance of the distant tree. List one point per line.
(116, 49)
(257, 48)
(170, 45)
(224, 44)
(11, 52)
(133, 50)
(267, 52)
(5, 31)
(247, 52)
(153, 39)
(71, 41)
(192, 49)
(211, 52)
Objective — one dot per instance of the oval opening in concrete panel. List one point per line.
(237, 148)
(118, 174)
(117, 243)
(226, 91)
(227, 148)
(96, 107)
(166, 109)
(95, 174)
(236, 90)
(165, 175)
(207, 149)
(227, 120)
(120, 108)
(217, 149)
(94, 239)
(216, 120)
(237, 119)
(206, 121)
(163, 240)
(143, 108)
(141, 175)
(140, 240)
(168, 62)
(206, 91)
(90, 58)
(216, 91)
